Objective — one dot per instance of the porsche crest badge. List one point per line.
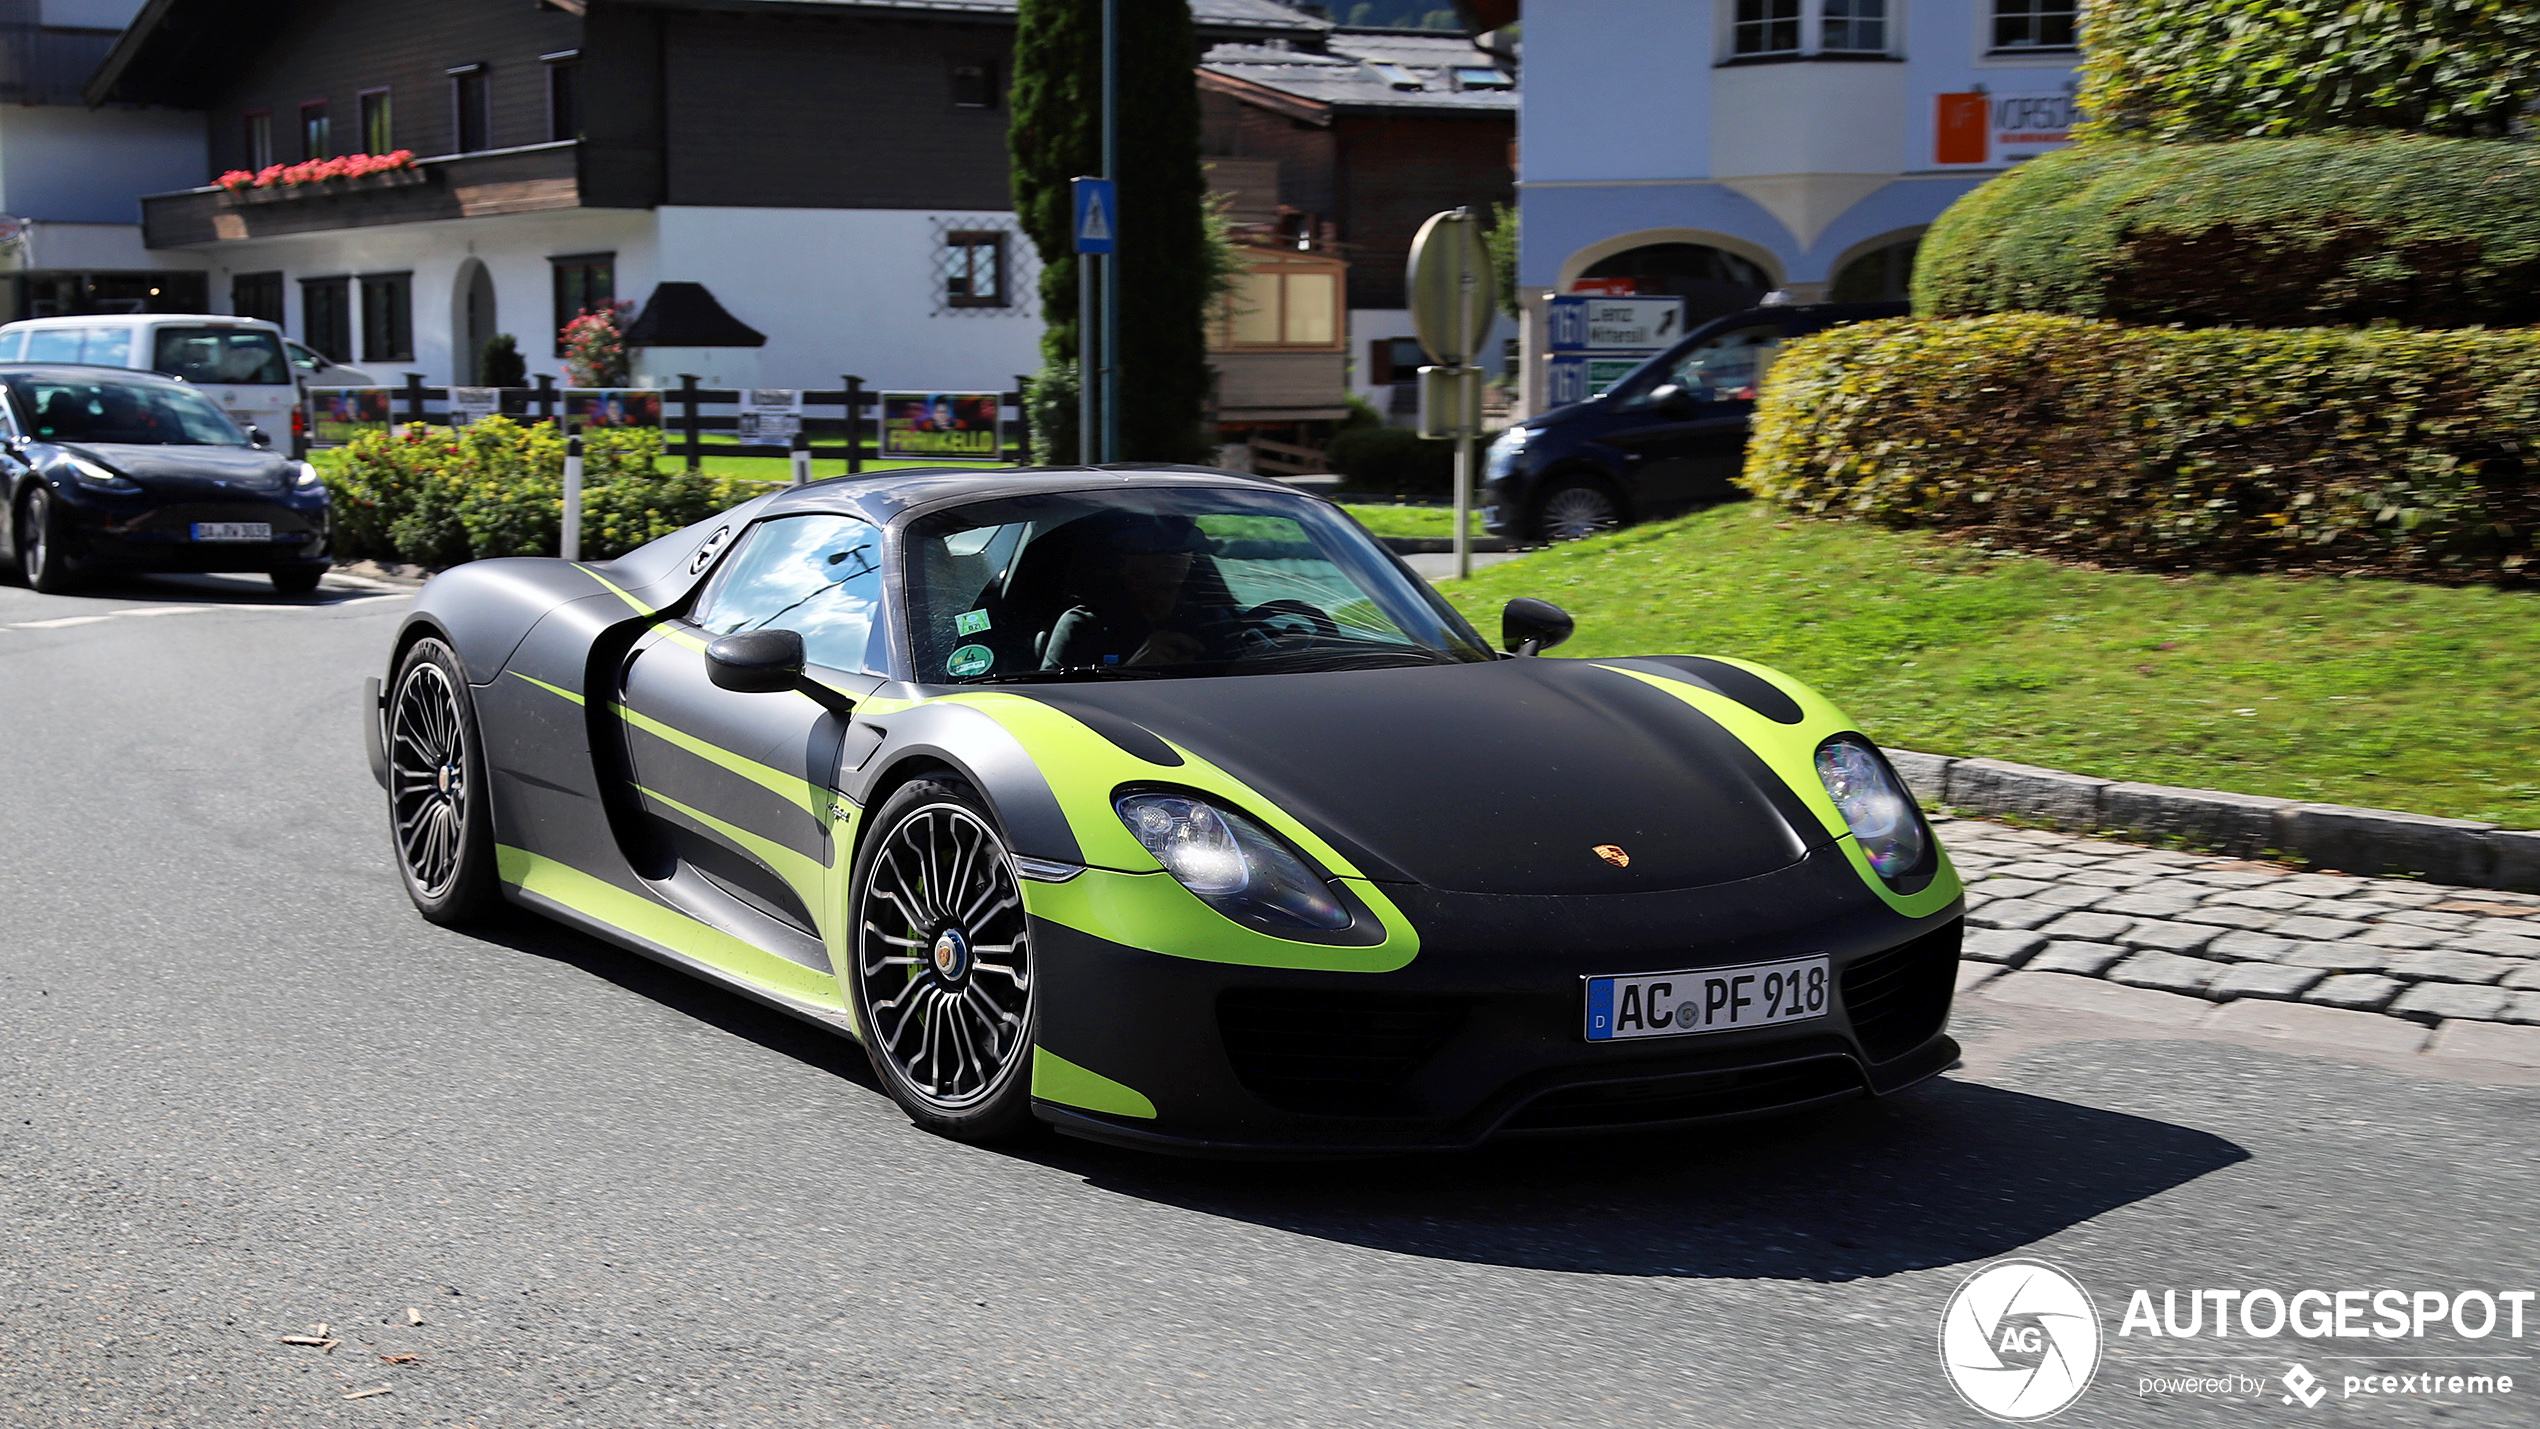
(1613, 854)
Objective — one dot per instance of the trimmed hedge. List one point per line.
(2380, 451)
(2267, 233)
(1392, 461)
(2225, 69)
(436, 498)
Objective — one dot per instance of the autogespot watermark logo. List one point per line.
(2020, 1340)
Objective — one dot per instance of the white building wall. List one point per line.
(1610, 91)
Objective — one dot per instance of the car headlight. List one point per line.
(91, 474)
(1504, 451)
(1874, 805)
(305, 477)
(1235, 866)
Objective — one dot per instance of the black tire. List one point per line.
(438, 817)
(299, 580)
(42, 561)
(941, 966)
(1575, 506)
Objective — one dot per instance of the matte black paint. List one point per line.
(1721, 678)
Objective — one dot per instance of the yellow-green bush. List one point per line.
(435, 497)
(2374, 450)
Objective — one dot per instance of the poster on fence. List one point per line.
(770, 416)
(471, 405)
(612, 406)
(942, 424)
(339, 414)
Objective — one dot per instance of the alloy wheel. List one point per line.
(33, 553)
(428, 789)
(1574, 512)
(942, 958)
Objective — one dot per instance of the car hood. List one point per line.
(1504, 777)
(185, 471)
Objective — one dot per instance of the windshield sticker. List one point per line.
(971, 622)
(970, 660)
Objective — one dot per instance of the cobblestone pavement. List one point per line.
(2395, 963)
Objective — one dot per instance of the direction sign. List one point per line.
(1585, 322)
(1453, 295)
(1097, 214)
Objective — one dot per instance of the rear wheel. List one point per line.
(41, 557)
(437, 810)
(1574, 507)
(943, 975)
(300, 581)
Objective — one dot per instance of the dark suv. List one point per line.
(1670, 434)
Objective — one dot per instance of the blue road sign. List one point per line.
(1097, 214)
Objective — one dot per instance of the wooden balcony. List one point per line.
(529, 179)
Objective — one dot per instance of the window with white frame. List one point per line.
(1765, 27)
(2034, 24)
(1854, 27)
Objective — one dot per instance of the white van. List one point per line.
(239, 363)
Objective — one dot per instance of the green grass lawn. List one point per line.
(1389, 519)
(2376, 693)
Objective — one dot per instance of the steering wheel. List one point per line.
(1289, 624)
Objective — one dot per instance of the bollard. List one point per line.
(572, 542)
(802, 458)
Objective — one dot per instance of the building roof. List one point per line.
(1424, 70)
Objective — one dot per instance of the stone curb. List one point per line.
(2371, 1032)
(2324, 836)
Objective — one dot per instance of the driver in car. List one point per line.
(1137, 603)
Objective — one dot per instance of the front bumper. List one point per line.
(1480, 1034)
(125, 532)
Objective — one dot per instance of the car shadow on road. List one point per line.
(1949, 1172)
(190, 588)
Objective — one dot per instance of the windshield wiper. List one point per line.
(1073, 672)
(1374, 658)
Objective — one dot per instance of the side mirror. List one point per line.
(756, 662)
(1528, 626)
(256, 436)
(1672, 400)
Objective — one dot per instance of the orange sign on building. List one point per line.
(1962, 129)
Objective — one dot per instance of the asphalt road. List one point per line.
(245, 1092)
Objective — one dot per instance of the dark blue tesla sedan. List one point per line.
(108, 470)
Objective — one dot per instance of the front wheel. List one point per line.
(41, 557)
(942, 976)
(436, 789)
(1572, 508)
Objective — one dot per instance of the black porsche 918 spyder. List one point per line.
(1168, 807)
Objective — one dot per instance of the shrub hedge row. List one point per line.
(2268, 233)
(2371, 451)
(436, 498)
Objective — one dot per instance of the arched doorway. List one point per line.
(1711, 280)
(1883, 274)
(471, 321)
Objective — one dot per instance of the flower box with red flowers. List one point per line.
(346, 173)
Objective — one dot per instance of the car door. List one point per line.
(737, 786)
(1692, 445)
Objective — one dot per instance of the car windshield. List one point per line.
(57, 410)
(221, 354)
(1163, 581)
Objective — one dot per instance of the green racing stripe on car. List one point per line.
(1790, 750)
(1153, 913)
(550, 689)
(793, 788)
(1055, 1079)
(640, 917)
(807, 876)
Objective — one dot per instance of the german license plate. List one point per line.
(1707, 1000)
(233, 531)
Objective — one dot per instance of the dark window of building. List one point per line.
(257, 295)
(1766, 27)
(259, 138)
(2034, 24)
(974, 87)
(379, 134)
(1856, 27)
(1710, 280)
(388, 317)
(326, 316)
(564, 95)
(584, 281)
(317, 139)
(1882, 275)
(470, 116)
(974, 270)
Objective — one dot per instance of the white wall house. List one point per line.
(1723, 148)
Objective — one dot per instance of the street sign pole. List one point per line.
(1111, 260)
(1452, 300)
(1097, 209)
